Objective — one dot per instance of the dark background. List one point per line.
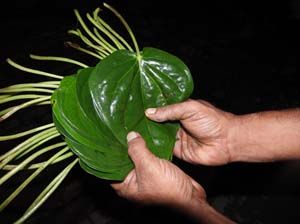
(244, 58)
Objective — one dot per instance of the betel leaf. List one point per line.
(96, 108)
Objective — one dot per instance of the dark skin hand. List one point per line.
(205, 133)
(209, 136)
(158, 181)
(151, 172)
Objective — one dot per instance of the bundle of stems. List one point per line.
(101, 40)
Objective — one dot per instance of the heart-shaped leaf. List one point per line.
(95, 109)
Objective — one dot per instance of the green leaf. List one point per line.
(96, 108)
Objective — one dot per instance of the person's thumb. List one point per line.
(137, 149)
(178, 111)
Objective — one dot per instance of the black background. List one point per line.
(244, 58)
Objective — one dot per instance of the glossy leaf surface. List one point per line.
(96, 108)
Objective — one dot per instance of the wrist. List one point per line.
(232, 138)
(238, 136)
(202, 211)
(194, 207)
(265, 136)
(199, 209)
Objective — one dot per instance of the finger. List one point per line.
(128, 187)
(137, 149)
(177, 146)
(184, 149)
(118, 186)
(199, 189)
(177, 149)
(179, 111)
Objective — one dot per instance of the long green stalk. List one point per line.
(24, 105)
(28, 160)
(102, 39)
(2, 112)
(24, 133)
(62, 59)
(46, 193)
(114, 11)
(33, 71)
(20, 97)
(31, 177)
(19, 90)
(109, 28)
(38, 165)
(88, 42)
(4, 96)
(109, 35)
(77, 47)
(30, 142)
(30, 85)
(87, 30)
(49, 137)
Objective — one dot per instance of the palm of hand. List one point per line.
(160, 182)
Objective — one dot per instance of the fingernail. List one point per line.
(131, 135)
(150, 111)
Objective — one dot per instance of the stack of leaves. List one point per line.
(97, 107)
(93, 110)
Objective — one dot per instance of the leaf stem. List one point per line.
(104, 24)
(89, 43)
(31, 178)
(21, 134)
(33, 71)
(24, 105)
(102, 39)
(20, 153)
(114, 11)
(21, 97)
(4, 96)
(37, 138)
(38, 165)
(25, 152)
(18, 90)
(30, 85)
(84, 26)
(103, 30)
(77, 47)
(46, 193)
(62, 59)
(28, 160)
(2, 112)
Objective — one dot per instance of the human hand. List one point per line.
(205, 136)
(157, 181)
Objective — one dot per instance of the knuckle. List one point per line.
(162, 112)
(137, 142)
(194, 103)
(205, 103)
(167, 112)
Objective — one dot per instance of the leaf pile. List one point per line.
(96, 108)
